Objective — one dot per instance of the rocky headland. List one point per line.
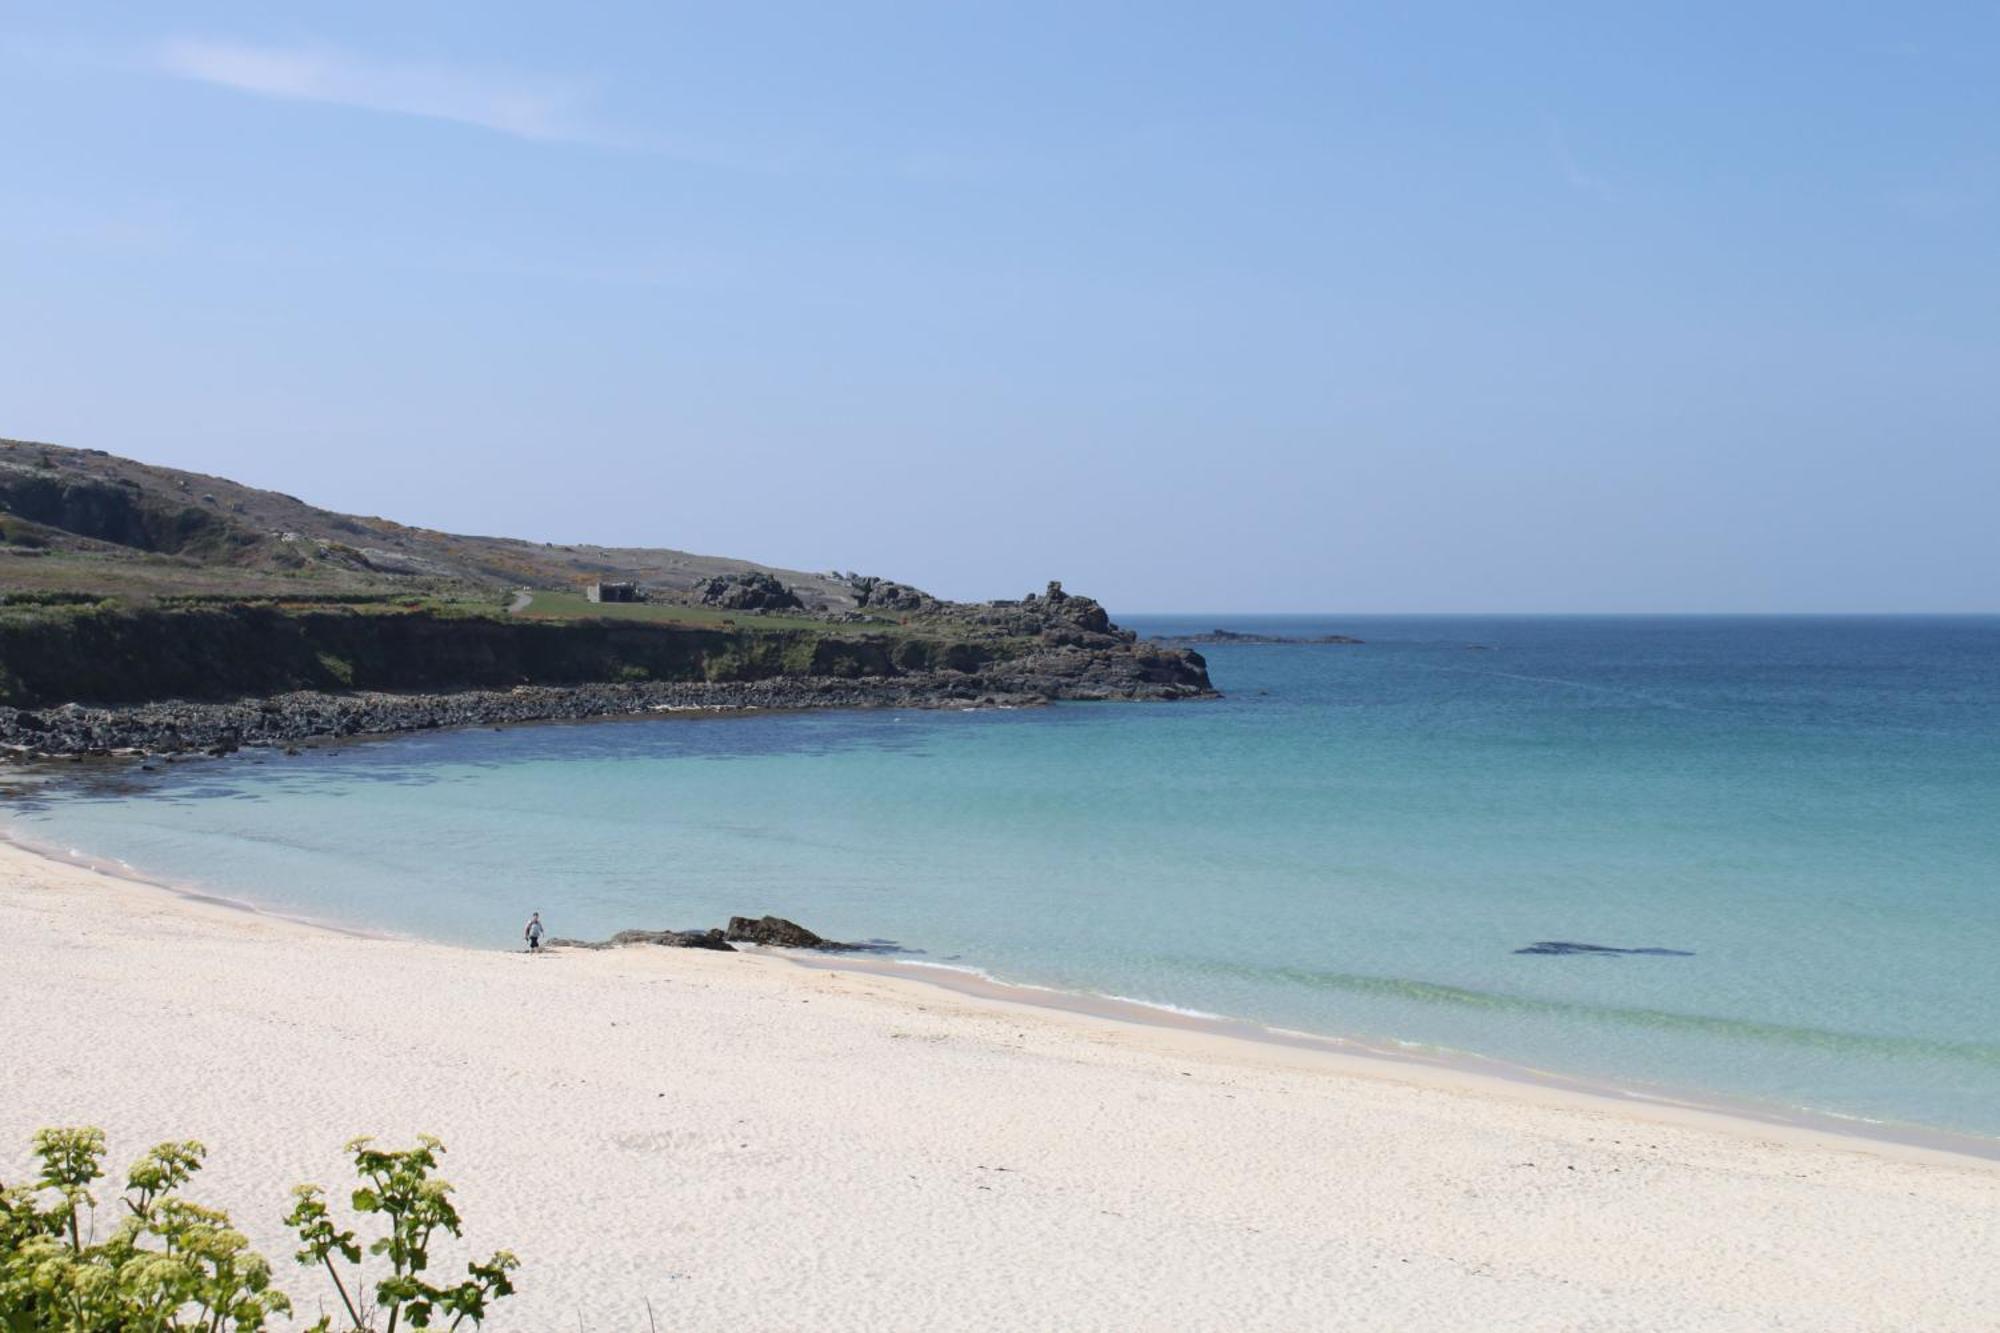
(149, 611)
(1060, 663)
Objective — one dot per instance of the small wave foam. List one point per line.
(1160, 1005)
(963, 969)
(1846, 1115)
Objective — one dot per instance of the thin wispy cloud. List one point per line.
(1579, 177)
(535, 107)
(527, 107)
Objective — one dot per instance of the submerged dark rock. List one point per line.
(1233, 636)
(1560, 947)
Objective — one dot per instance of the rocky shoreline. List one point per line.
(175, 727)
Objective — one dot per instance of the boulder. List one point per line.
(775, 931)
(751, 590)
(674, 939)
(887, 595)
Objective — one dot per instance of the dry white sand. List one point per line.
(750, 1144)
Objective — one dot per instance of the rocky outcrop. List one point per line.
(1104, 672)
(767, 931)
(879, 595)
(1060, 608)
(675, 939)
(751, 590)
(1053, 616)
(776, 932)
(669, 939)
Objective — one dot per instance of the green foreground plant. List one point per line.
(172, 1265)
(401, 1189)
(168, 1265)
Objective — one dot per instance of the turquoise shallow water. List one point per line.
(1355, 841)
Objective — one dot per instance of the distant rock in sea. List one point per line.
(1232, 636)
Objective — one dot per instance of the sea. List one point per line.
(1796, 821)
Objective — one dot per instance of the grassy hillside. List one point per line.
(77, 520)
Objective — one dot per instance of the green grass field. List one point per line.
(575, 606)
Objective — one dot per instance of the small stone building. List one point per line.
(600, 591)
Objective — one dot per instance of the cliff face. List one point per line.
(230, 651)
(96, 655)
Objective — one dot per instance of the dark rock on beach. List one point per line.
(675, 939)
(669, 939)
(769, 931)
(776, 932)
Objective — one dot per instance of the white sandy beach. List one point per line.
(750, 1144)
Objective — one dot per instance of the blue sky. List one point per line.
(1257, 307)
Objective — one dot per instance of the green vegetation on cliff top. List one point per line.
(559, 606)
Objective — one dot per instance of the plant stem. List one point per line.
(341, 1287)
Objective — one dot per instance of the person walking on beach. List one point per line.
(533, 933)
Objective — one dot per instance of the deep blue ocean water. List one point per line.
(1355, 841)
